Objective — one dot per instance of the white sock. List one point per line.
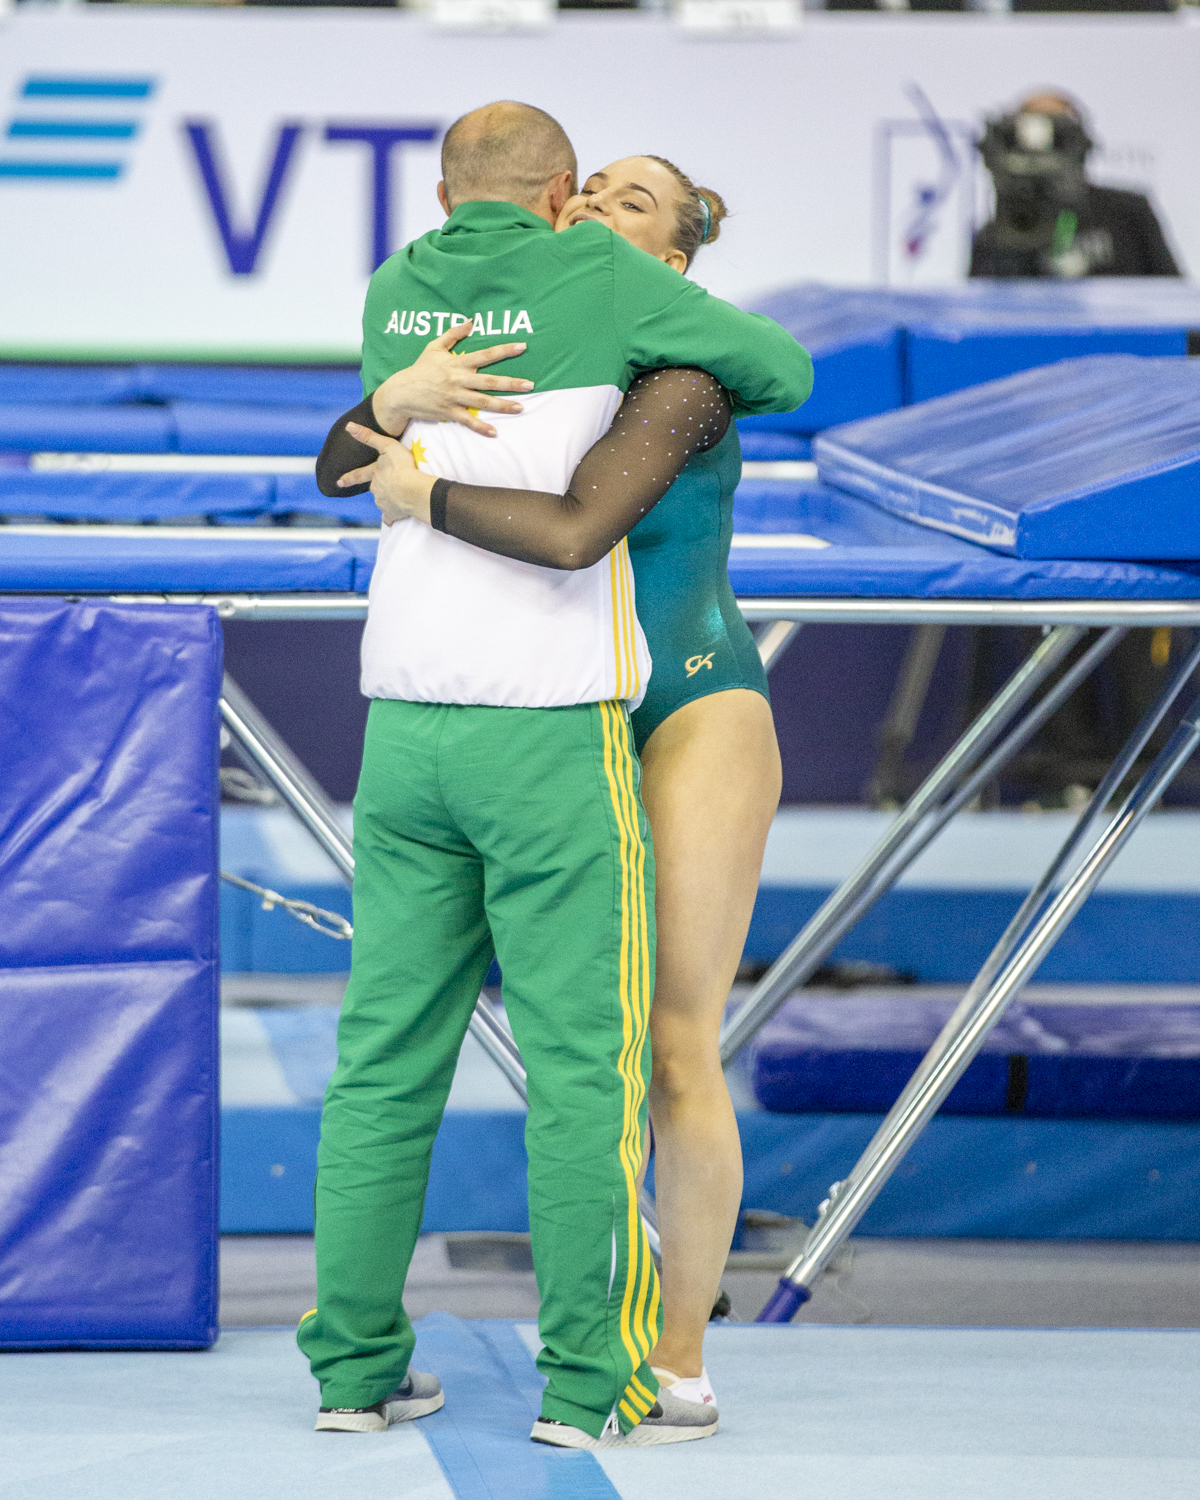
(698, 1388)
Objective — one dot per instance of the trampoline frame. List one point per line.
(981, 753)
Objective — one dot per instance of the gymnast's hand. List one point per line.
(399, 487)
(446, 387)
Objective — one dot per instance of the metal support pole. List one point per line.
(773, 639)
(951, 784)
(1036, 899)
(850, 1199)
(912, 688)
(278, 763)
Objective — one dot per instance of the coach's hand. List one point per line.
(399, 487)
(446, 387)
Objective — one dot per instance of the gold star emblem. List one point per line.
(418, 452)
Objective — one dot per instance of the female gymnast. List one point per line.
(711, 767)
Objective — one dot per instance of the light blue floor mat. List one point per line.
(856, 1413)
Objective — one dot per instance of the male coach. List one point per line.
(498, 807)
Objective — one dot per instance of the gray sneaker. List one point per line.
(417, 1397)
(669, 1420)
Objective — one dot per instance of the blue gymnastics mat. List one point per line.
(877, 348)
(793, 538)
(856, 343)
(1042, 1062)
(108, 951)
(1090, 1179)
(179, 427)
(1090, 458)
(247, 385)
(862, 1413)
(801, 538)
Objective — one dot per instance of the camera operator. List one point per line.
(1050, 220)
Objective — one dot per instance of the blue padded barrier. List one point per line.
(108, 1075)
(759, 446)
(253, 385)
(78, 384)
(854, 1055)
(878, 348)
(874, 554)
(102, 496)
(980, 1178)
(857, 352)
(1015, 1178)
(871, 554)
(297, 494)
(33, 428)
(211, 427)
(951, 354)
(1090, 458)
(235, 560)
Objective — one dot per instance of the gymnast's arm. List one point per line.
(440, 386)
(666, 417)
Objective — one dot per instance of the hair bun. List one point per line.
(717, 211)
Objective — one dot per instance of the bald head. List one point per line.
(505, 152)
(1049, 103)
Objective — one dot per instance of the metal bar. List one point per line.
(977, 992)
(867, 611)
(912, 688)
(842, 909)
(851, 1198)
(801, 608)
(285, 772)
(774, 639)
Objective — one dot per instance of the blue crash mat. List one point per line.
(873, 554)
(244, 385)
(232, 561)
(79, 496)
(759, 446)
(878, 348)
(855, 341)
(108, 1100)
(950, 354)
(297, 495)
(985, 330)
(870, 554)
(1090, 458)
(31, 427)
(218, 427)
(79, 384)
(854, 1055)
(249, 385)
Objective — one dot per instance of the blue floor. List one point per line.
(856, 1413)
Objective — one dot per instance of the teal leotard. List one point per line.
(699, 642)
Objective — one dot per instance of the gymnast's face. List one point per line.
(636, 198)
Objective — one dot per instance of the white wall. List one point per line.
(791, 131)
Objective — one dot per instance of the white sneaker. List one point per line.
(668, 1421)
(417, 1397)
(696, 1388)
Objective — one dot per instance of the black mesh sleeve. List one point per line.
(340, 452)
(666, 417)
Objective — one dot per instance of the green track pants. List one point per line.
(518, 831)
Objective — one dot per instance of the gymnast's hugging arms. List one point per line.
(667, 417)
(440, 386)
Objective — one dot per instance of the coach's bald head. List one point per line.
(508, 153)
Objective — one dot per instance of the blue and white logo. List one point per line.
(73, 129)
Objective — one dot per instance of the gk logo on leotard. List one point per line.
(694, 663)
